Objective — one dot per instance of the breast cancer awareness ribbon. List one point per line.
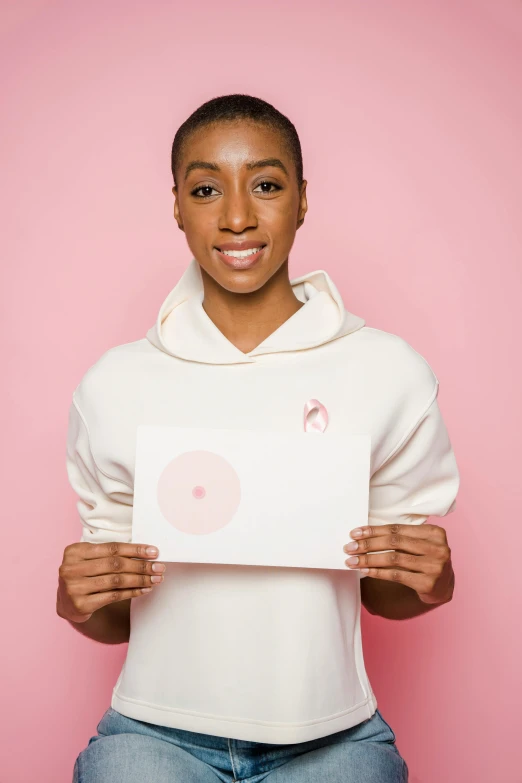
(317, 423)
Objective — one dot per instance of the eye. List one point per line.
(206, 191)
(271, 187)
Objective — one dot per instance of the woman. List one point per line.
(249, 673)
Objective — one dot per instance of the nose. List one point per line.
(238, 212)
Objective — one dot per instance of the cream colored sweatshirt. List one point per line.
(263, 654)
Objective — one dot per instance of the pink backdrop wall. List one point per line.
(410, 116)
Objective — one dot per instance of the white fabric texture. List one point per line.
(263, 654)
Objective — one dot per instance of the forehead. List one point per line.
(234, 143)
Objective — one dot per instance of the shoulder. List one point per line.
(398, 381)
(113, 377)
(396, 361)
(399, 385)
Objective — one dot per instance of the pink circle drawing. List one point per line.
(199, 492)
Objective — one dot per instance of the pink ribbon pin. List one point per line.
(318, 422)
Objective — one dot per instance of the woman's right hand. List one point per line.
(94, 575)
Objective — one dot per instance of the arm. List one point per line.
(408, 563)
(391, 600)
(104, 518)
(108, 625)
(100, 575)
(396, 601)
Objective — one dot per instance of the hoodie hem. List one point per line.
(250, 731)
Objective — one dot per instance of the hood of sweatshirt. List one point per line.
(183, 328)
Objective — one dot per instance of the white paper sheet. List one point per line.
(250, 497)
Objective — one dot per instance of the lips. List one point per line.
(237, 257)
(245, 245)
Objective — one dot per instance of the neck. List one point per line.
(248, 319)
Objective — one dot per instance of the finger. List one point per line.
(425, 531)
(107, 582)
(421, 583)
(95, 601)
(390, 560)
(415, 546)
(111, 565)
(86, 551)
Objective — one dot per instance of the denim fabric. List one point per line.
(132, 751)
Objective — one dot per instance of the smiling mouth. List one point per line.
(241, 259)
(241, 253)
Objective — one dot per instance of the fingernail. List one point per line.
(156, 579)
(352, 560)
(351, 547)
(357, 532)
(158, 567)
(152, 550)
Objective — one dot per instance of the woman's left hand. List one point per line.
(420, 558)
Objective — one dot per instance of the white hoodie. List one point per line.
(263, 654)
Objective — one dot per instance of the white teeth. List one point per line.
(241, 253)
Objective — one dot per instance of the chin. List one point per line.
(243, 282)
(240, 281)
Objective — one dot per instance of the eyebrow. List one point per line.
(258, 164)
(200, 164)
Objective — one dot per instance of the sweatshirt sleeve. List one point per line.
(419, 478)
(104, 503)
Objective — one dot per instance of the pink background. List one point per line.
(410, 115)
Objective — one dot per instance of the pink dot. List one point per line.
(177, 492)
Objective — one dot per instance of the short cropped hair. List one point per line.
(238, 107)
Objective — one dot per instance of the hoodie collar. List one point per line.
(184, 329)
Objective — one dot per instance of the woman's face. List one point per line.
(236, 191)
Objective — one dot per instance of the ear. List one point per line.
(303, 205)
(177, 215)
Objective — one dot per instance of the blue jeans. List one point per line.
(132, 751)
